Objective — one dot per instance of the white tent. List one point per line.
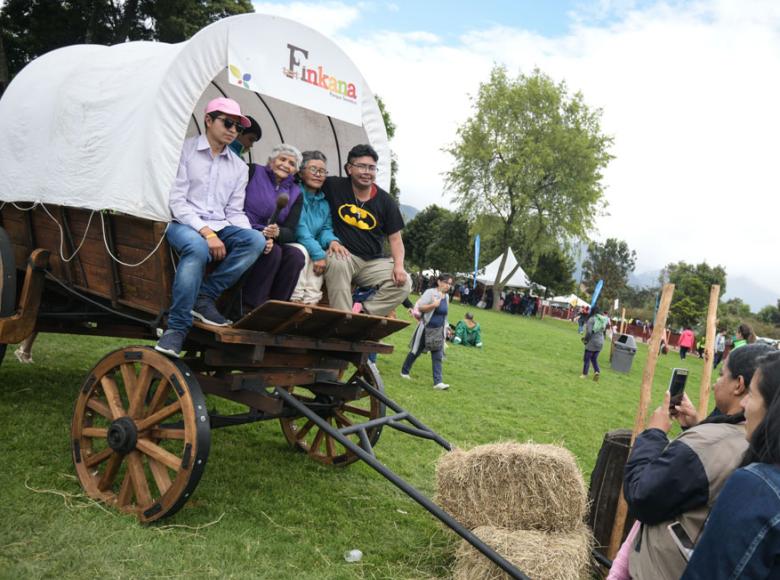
(571, 300)
(518, 280)
(102, 127)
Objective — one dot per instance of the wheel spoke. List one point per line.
(141, 390)
(100, 408)
(165, 433)
(330, 448)
(101, 432)
(125, 491)
(159, 454)
(159, 395)
(129, 378)
(304, 430)
(342, 418)
(160, 415)
(135, 467)
(161, 476)
(112, 396)
(317, 440)
(357, 410)
(107, 479)
(97, 458)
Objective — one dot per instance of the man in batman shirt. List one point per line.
(363, 216)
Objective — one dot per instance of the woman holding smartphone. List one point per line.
(742, 536)
(666, 483)
(431, 330)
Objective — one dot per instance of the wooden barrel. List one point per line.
(606, 485)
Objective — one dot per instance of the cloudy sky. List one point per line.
(689, 90)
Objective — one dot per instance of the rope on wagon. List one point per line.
(105, 243)
(62, 233)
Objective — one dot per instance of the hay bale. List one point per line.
(539, 555)
(513, 486)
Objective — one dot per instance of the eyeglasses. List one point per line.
(365, 168)
(316, 171)
(230, 124)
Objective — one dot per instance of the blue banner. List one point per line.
(476, 260)
(596, 293)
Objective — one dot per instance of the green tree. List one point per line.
(532, 155)
(438, 239)
(30, 28)
(692, 290)
(390, 129)
(554, 271)
(612, 262)
(770, 314)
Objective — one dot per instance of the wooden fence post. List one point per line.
(709, 348)
(659, 330)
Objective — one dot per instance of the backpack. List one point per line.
(600, 324)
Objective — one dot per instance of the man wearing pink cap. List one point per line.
(209, 224)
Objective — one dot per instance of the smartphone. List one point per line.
(677, 387)
(681, 539)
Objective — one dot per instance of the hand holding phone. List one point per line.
(677, 388)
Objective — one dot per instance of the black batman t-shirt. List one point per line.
(362, 226)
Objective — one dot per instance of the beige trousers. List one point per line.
(341, 273)
(309, 287)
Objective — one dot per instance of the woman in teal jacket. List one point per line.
(314, 233)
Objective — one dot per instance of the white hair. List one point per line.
(284, 148)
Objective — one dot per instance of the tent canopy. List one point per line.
(571, 300)
(489, 274)
(102, 127)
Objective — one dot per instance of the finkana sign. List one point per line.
(296, 65)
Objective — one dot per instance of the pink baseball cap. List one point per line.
(229, 107)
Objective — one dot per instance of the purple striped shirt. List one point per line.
(209, 190)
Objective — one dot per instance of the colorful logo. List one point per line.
(242, 80)
(317, 76)
(357, 217)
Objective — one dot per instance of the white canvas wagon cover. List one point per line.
(102, 127)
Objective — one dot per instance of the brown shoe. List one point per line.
(596, 377)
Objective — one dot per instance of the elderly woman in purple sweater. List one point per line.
(275, 273)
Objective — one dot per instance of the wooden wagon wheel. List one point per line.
(306, 436)
(7, 281)
(140, 433)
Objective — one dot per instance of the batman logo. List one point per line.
(357, 217)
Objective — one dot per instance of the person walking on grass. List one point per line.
(686, 342)
(595, 331)
(431, 330)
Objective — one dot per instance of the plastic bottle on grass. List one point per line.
(353, 556)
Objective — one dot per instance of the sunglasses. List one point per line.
(230, 123)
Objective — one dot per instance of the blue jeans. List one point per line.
(436, 358)
(243, 248)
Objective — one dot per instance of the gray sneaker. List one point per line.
(206, 311)
(170, 343)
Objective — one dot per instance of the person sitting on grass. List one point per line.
(209, 224)
(467, 332)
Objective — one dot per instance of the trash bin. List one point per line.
(623, 354)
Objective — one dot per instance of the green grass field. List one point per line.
(265, 511)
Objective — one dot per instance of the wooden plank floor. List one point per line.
(319, 322)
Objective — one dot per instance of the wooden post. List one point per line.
(709, 348)
(623, 321)
(645, 392)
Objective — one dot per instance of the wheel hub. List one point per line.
(122, 435)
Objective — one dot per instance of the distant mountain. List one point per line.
(408, 212)
(751, 293)
(755, 295)
(644, 279)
